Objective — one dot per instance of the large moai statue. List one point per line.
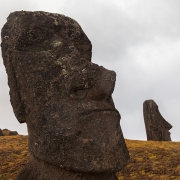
(65, 99)
(157, 128)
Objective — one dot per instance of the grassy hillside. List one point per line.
(152, 160)
(13, 155)
(149, 160)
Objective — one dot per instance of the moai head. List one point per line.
(64, 98)
(157, 128)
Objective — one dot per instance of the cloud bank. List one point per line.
(138, 39)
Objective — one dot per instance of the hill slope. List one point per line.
(149, 160)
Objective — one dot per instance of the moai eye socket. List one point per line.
(78, 94)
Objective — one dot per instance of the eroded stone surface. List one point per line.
(63, 97)
(157, 128)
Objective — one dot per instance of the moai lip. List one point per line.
(64, 98)
(157, 128)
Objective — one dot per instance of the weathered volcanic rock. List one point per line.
(6, 132)
(1, 133)
(157, 128)
(64, 98)
(12, 133)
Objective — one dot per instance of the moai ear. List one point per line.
(17, 104)
(15, 97)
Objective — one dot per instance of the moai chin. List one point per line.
(157, 128)
(65, 99)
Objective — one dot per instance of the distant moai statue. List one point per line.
(1, 133)
(65, 99)
(157, 128)
(13, 133)
(7, 132)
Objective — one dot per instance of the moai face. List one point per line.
(63, 97)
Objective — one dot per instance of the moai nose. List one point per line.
(107, 82)
(104, 86)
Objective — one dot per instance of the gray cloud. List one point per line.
(139, 39)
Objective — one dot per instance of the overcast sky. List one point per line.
(139, 39)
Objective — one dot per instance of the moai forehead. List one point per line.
(36, 44)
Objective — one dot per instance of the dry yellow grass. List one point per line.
(13, 155)
(149, 160)
(152, 160)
